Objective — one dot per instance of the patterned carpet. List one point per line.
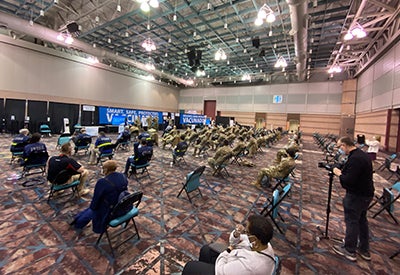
(35, 238)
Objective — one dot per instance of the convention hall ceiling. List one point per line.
(308, 35)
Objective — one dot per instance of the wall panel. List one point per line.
(323, 124)
(371, 124)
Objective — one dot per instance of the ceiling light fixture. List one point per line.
(149, 45)
(355, 31)
(220, 55)
(146, 4)
(246, 77)
(335, 68)
(265, 13)
(119, 6)
(281, 62)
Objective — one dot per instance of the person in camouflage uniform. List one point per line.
(252, 146)
(204, 142)
(277, 171)
(239, 147)
(220, 156)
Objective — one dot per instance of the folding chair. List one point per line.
(271, 209)
(192, 182)
(83, 144)
(63, 138)
(35, 161)
(282, 181)
(59, 183)
(388, 162)
(179, 155)
(44, 130)
(238, 157)
(387, 200)
(106, 152)
(17, 150)
(123, 221)
(220, 169)
(141, 165)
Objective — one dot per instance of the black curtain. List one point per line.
(15, 108)
(37, 112)
(90, 118)
(59, 111)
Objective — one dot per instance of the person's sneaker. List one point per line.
(364, 254)
(84, 192)
(341, 250)
(70, 218)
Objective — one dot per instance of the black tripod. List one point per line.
(328, 207)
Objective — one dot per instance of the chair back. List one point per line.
(193, 179)
(44, 128)
(106, 148)
(63, 139)
(275, 202)
(133, 199)
(396, 186)
(85, 141)
(181, 152)
(37, 158)
(18, 147)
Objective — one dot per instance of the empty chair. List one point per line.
(192, 183)
(272, 207)
(388, 162)
(387, 200)
(44, 130)
(63, 138)
(132, 200)
(59, 183)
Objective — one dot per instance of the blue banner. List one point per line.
(117, 116)
(192, 119)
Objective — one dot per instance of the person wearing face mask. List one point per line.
(356, 178)
(249, 252)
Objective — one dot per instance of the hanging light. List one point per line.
(69, 40)
(280, 62)
(220, 55)
(246, 77)
(150, 66)
(265, 13)
(149, 45)
(356, 31)
(146, 4)
(335, 68)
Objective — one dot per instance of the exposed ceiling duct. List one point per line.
(45, 34)
(299, 20)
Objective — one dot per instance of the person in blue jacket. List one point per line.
(142, 153)
(106, 193)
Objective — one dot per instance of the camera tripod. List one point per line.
(328, 210)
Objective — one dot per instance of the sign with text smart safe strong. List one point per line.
(117, 116)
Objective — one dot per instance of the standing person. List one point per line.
(249, 252)
(356, 178)
(373, 146)
(105, 197)
(64, 161)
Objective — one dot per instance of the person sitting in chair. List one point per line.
(276, 171)
(220, 156)
(56, 164)
(249, 252)
(81, 139)
(101, 141)
(124, 136)
(20, 141)
(34, 147)
(105, 196)
(142, 153)
(180, 148)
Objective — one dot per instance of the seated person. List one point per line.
(239, 147)
(142, 153)
(56, 164)
(147, 136)
(221, 155)
(34, 147)
(180, 148)
(82, 139)
(18, 143)
(279, 170)
(124, 136)
(101, 141)
(249, 252)
(105, 196)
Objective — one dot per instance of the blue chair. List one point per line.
(179, 155)
(387, 200)
(282, 181)
(35, 161)
(58, 184)
(132, 200)
(192, 182)
(44, 130)
(106, 152)
(62, 139)
(141, 164)
(17, 150)
(272, 207)
(83, 144)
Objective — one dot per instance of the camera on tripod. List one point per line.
(326, 165)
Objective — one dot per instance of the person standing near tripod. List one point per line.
(356, 178)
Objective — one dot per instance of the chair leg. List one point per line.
(395, 254)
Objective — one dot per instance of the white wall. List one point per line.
(310, 98)
(379, 86)
(35, 70)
